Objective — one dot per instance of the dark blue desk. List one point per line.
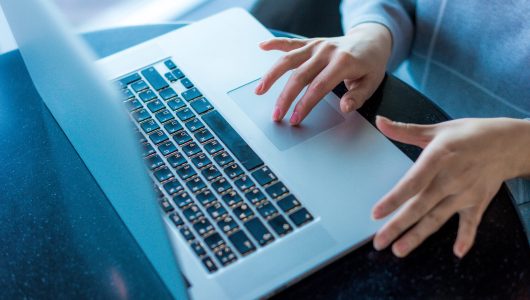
(60, 238)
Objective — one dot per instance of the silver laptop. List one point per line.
(242, 206)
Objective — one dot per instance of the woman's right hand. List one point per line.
(358, 58)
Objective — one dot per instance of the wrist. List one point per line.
(519, 134)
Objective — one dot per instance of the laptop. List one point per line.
(225, 203)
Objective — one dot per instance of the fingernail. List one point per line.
(459, 251)
(379, 243)
(377, 212)
(399, 249)
(259, 87)
(295, 118)
(276, 114)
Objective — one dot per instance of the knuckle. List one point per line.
(434, 219)
(346, 58)
(286, 59)
(418, 207)
(317, 86)
(298, 77)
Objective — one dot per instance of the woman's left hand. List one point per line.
(462, 166)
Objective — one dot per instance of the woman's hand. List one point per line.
(461, 168)
(358, 58)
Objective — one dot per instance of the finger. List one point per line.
(467, 230)
(357, 95)
(301, 77)
(428, 225)
(418, 135)
(288, 62)
(412, 212)
(283, 44)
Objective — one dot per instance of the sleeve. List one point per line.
(391, 13)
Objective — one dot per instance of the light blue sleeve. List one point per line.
(390, 13)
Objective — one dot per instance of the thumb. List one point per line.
(355, 97)
(418, 135)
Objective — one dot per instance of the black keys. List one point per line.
(264, 176)
(133, 104)
(259, 231)
(233, 170)
(217, 210)
(178, 73)
(288, 203)
(232, 198)
(176, 219)
(203, 227)
(223, 158)
(211, 173)
(248, 158)
(176, 160)
(172, 126)
(300, 217)
(163, 174)
(196, 184)
(166, 206)
(191, 94)
(209, 264)
(267, 210)
(182, 200)
(187, 234)
(167, 94)
(280, 225)
(164, 116)
(181, 137)
(186, 83)
(173, 187)
(201, 105)
(276, 190)
(206, 197)
(167, 148)
(147, 96)
(139, 86)
(214, 240)
(130, 79)
(158, 137)
(149, 125)
(186, 171)
(156, 81)
(243, 212)
(192, 213)
(201, 161)
(203, 135)
(213, 147)
(176, 104)
(191, 149)
(155, 106)
(185, 114)
(140, 115)
(194, 125)
(170, 64)
(169, 76)
(225, 256)
(244, 183)
(154, 162)
(221, 185)
(241, 242)
(254, 196)
(197, 248)
(227, 224)
(147, 149)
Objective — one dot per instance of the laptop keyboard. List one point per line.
(212, 186)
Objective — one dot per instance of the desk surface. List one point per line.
(59, 238)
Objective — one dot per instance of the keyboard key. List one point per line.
(176, 160)
(255, 196)
(141, 138)
(156, 81)
(196, 184)
(130, 79)
(163, 174)
(181, 137)
(259, 231)
(133, 104)
(203, 227)
(201, 105)
(194, 125)
(232, 198)
(276, 190)
(241, 242)
(267, 210)
(158, 137)
(147, 150)
(127, 94)
(186, 171)
(167, 148)
(176, 104)
(264, 176)
(167, 94)
(223, 158)
(203, 135)
(173, 187)
(164, 116)
(169, 76)
(214, 240)
(172, 126)
(210, 173)
(191, 149)
(178, 73)
(213, 147)
(170, 64)
(200, 161)
(206, 197)
(248, 158)
(141, 115)
(186, 83)
(147, 95)
(288, 203)
(166, 206)
(192, 213)
(221, 185)
(191, 94)
(233, 171)
(197, 248)
(243, 212)
(227, 224)
(187, 234)
(217, 210)
(209, 264)
(244, 183)
(185, 114)
(155, 106)
(182, 200)
(149, 126)
(225, 256)
(280, 225)
(154, 162)
(300, 217)
(176, 219)
(139, 86)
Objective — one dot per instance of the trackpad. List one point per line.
(281, 134)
